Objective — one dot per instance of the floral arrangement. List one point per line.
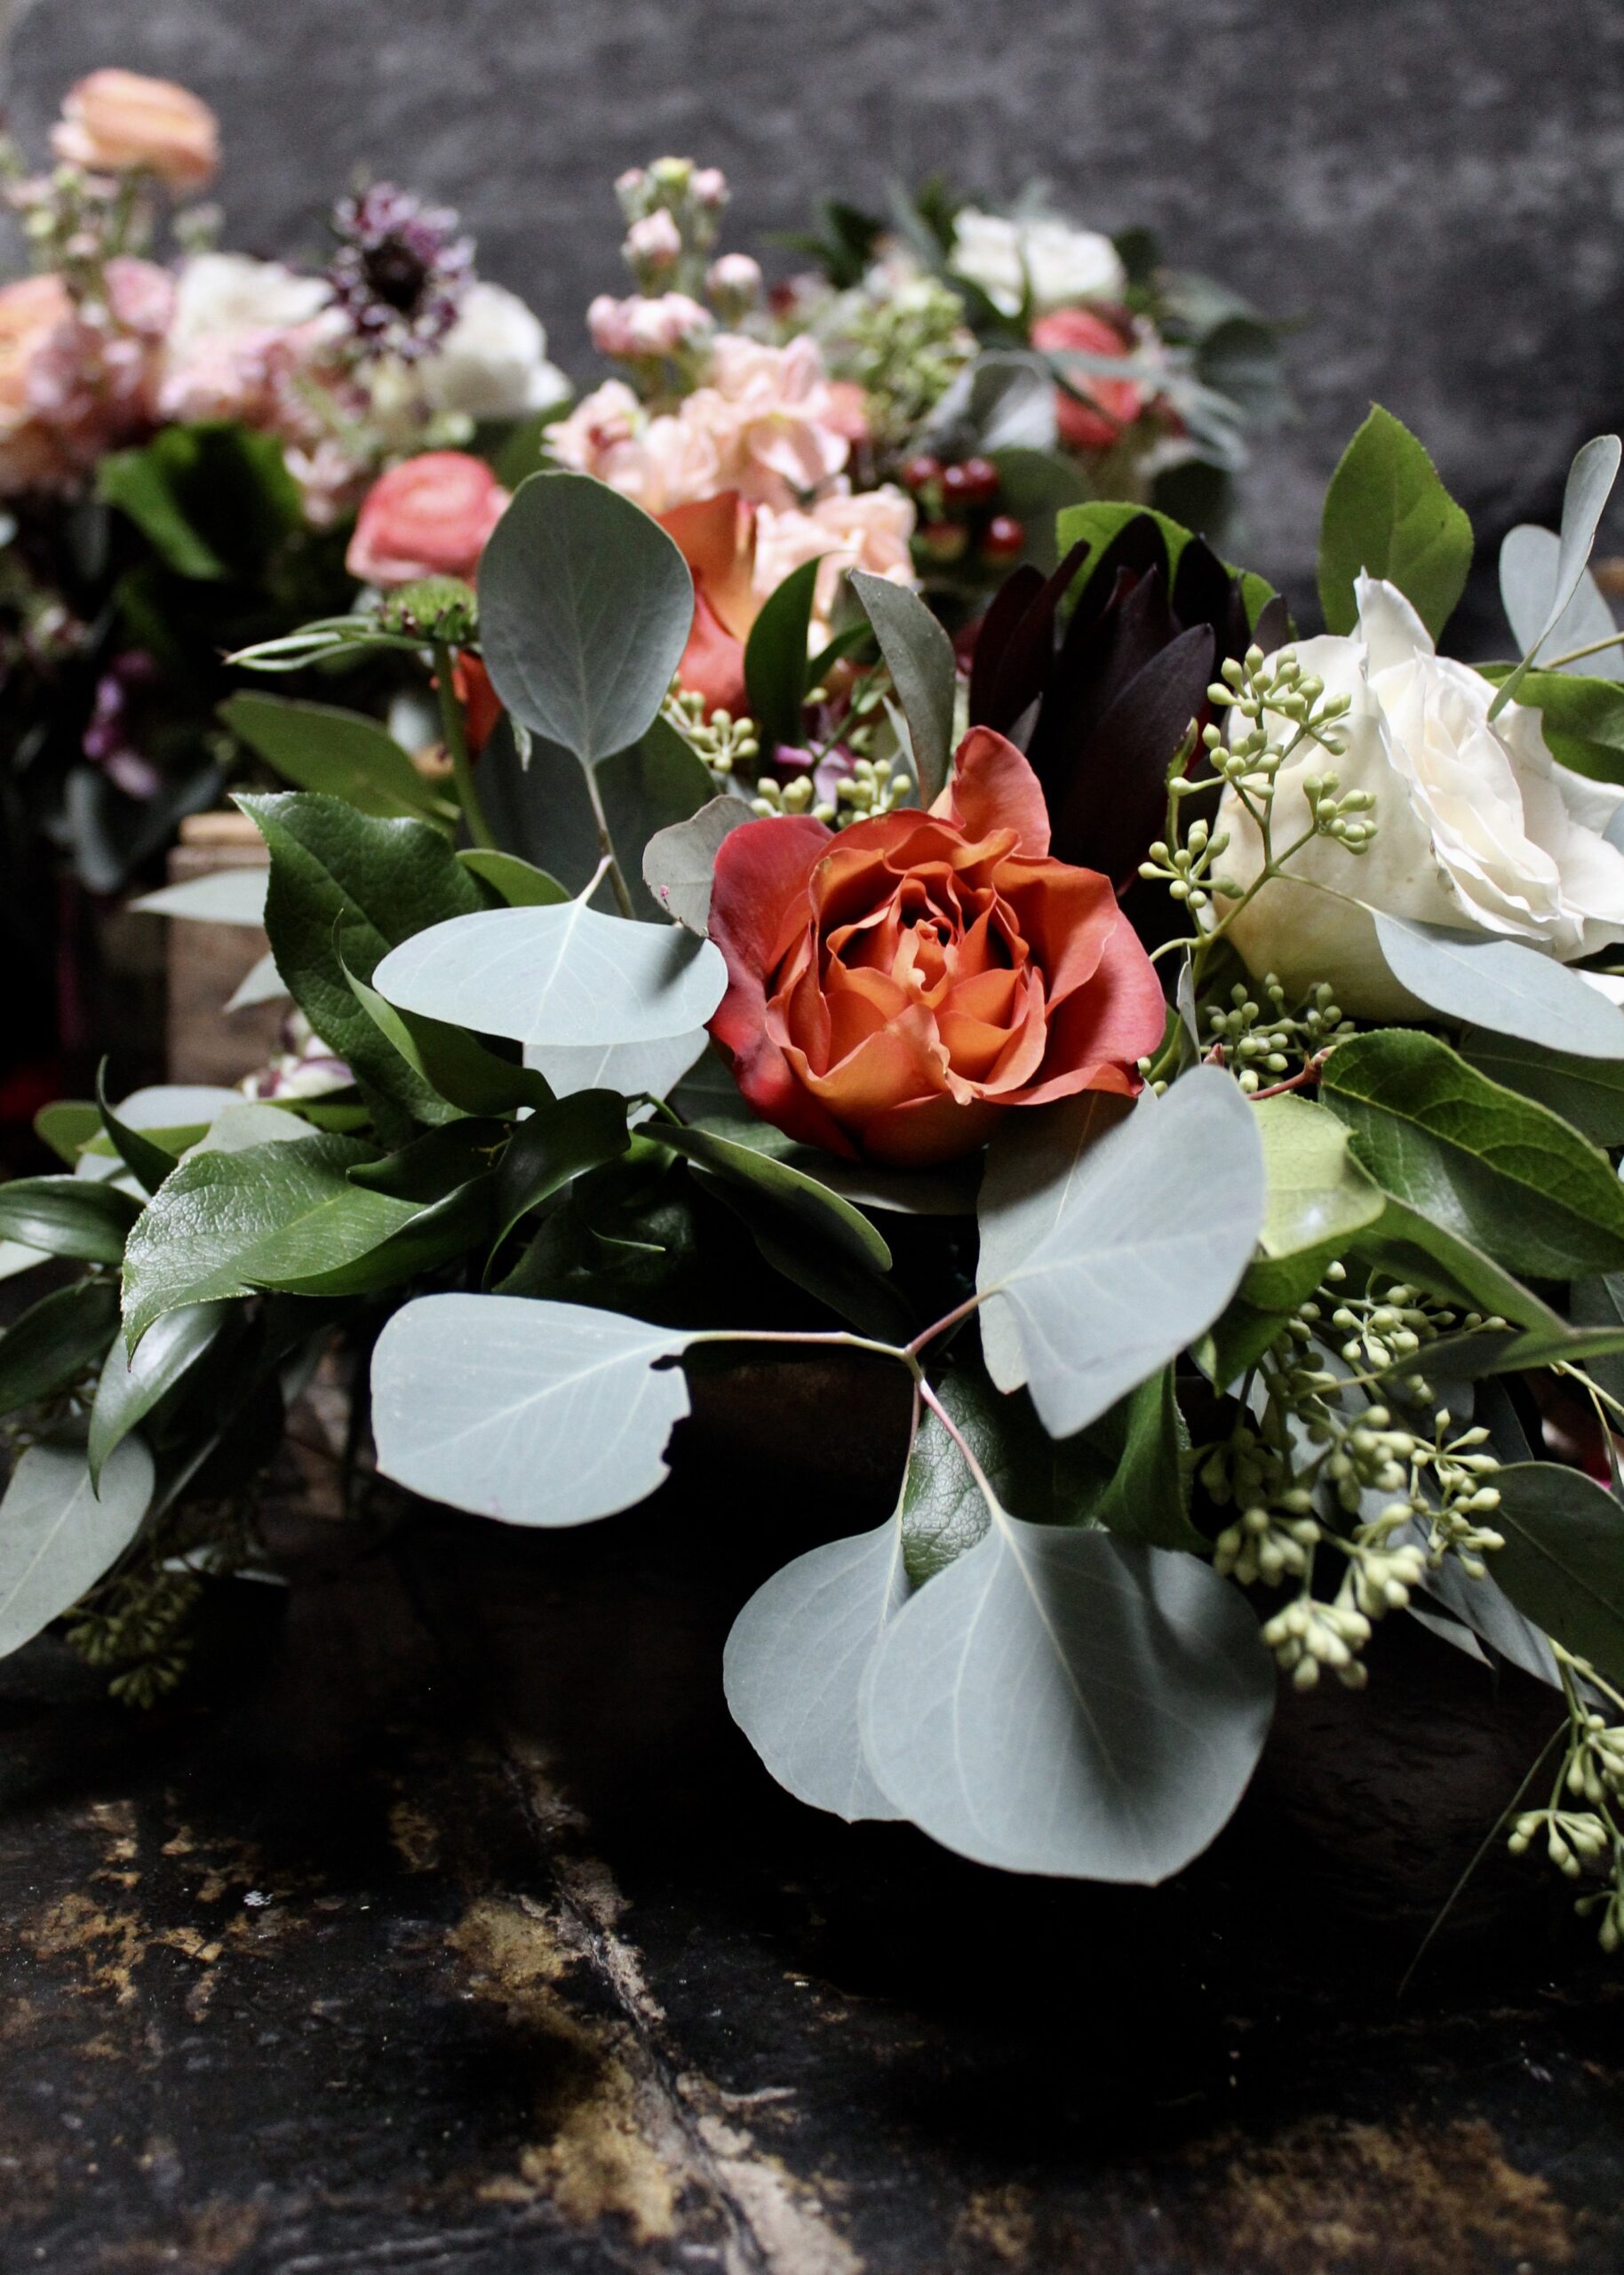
(947, 384)
(185, 433)
(1196, 1067)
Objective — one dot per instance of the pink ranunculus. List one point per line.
(430, 517)
(1111, 404)
(115, 122)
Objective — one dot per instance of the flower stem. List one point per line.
(607, 843)
(454, 731)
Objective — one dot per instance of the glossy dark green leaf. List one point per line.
(53, 1343)
(1147, 1496)
(1387, 514)
(1562, 1563)
(1587, 1092)
(516, 883)
(345, 889)
(130, 1387)
(792, 1189)
(556, 1142)
(776, 656)
(67, 1216)
(453, 1064)
(316, 747)
(1491, 1167)
(147, 1161)
(273, 1216)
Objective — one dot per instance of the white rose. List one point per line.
(1062, 264)
(1478, 827)
(227, 295)
(493, 362)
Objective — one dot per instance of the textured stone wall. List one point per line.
(1435, 187)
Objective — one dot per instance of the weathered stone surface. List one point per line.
(1436, 191)
(446, 1922)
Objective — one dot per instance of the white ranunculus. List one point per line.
(493, 362)
(229, 295)
(1477, 826)
(1062, 264)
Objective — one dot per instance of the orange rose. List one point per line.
(1118, 401)
(895, 988)
(428, 517)
(117, 120)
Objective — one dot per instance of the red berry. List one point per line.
(944, 541)
(1003, 538)
(974, 482)
(921, 471)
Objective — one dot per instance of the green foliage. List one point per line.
(1502, 986)
(57, 1535)
(210, 500)
(341, 753)
(1562, 1561)
(1490, 1167)
(585, 610)
(276, 1216)
(516, 883)
(67, 1216)
(1587, 1092)
(344, 888)
(775, 657)
(919, 657)
(1582, 717)
(1318, 1199)
(1387, 514)
(536, 1413)
(55, 1342)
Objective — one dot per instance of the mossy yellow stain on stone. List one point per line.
(593, 2159)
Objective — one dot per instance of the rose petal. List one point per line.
(760, 881)
(992, 788)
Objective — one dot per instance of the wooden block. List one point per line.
(207, 962)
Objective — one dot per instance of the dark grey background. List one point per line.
(1435, 187)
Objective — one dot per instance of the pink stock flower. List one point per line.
(78, 379)
(870, 530)
(665, 324)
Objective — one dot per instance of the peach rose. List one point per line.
(117, 120)
(429, 516)
(1118, 401)
(895, 988)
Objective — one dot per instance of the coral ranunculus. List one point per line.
(895, 988)
(428, 517)
(116, 120)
